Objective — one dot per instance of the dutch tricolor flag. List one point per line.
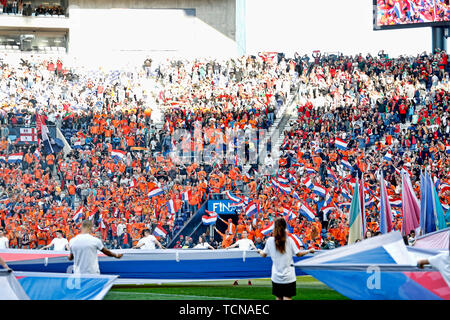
(332, 175)
(340, 144)
(289, 214)
(347, 165)
(292, 179)
(319, 190)
(118, 154)
(15, 157)
(310, 171)
(345, 204)
(396, 203)
(2, 158)
(306, 211)
(346, 194)
(232, 197)
(447, 148)
(78, 215)
(388, 156)
(285, 188)
(308, 183)
(282, 180)
(37, 154)
(209, 219)
(155, 192)
(159, 232)
(268, 229)
(251, 209)
(298, 241)
(327, 209)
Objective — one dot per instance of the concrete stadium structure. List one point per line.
(176, 27)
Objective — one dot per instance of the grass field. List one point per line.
(308, 288)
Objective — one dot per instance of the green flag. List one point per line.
(355, 220)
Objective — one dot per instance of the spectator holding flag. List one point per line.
(281, 249)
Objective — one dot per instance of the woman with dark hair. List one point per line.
(281, 249)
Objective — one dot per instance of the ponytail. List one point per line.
(280, 235)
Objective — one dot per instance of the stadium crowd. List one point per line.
(393, 113)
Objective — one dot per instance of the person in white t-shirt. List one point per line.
(148, 242)
(281, 249)
(84, 250)
(202, 244)
(59, 243)
(4, 241)
(245, 244)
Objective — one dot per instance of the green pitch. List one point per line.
(308, 288)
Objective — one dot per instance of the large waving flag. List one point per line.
(289, 214)
(332, 175)
(284, 188)
(232, 197)
(385, 208)
(209, 219)
(155, 192)
(340, 144)
(159, 232)
(346, 165)
(431, 211)
(319, 190)
(251, 209)
(282, 180)
(118, 154)
(396, 203)
(345, 193)
(388, 156)
(79, 214)
(268, 229)
(298, 241)
(15, 157)
(410, 205)
(307, 212)
(355, 217)
(362, 201)
(308, 183)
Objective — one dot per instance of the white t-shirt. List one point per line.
(203, 245)
(283, 270)
(4, 243)
(59, 244)
(84, 248)
(442, 263)
(149, 242)
(245, 244)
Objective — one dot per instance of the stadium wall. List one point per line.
(108, 28)
(175, 27)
